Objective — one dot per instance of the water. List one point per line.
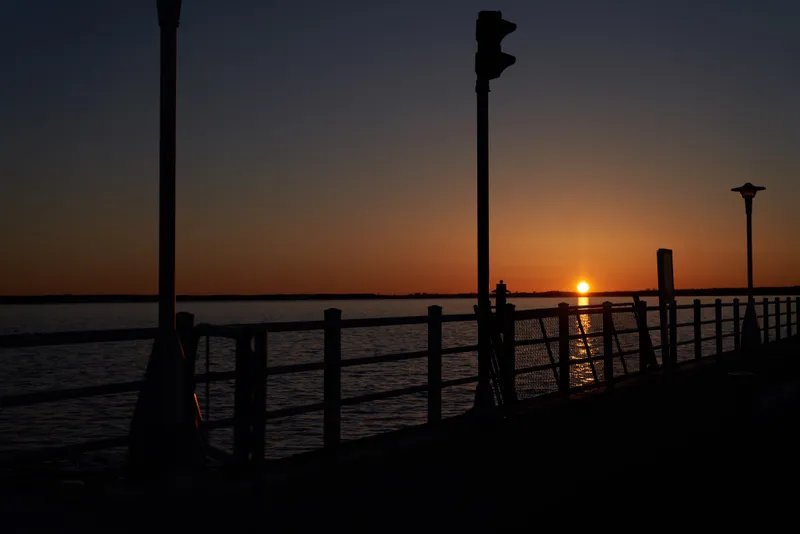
(50, 424)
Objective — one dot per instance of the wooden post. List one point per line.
(698, 330)
(788, 317)
(242, 407)
(673, 334)
(332, 424)
(563, 348)
(434, 364)
(737, 333)
(777, 318)
(645, 345)
(765, 325)
(510, 353)
(608, 344)
(259, 430)
(718, 324)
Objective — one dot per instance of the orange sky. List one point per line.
(617, 132)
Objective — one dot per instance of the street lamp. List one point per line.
(164, 433)
(751, 332)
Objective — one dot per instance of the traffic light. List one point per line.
(490, 29)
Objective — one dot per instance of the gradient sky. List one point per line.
(330, 146)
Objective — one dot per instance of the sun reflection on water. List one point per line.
(583, 348)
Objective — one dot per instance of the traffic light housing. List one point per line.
(490, 60)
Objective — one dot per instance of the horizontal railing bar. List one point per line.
(215, 330)
(394, 321)
(627, 331)
(37, 397)
(709, 338)
(233, 330)
(295, 368)
(459, 350)
(684, 342)
(214, 376)
(459, 381)
(382, 395)
(60, 451)
(295, 410)
(372, 322)
(535, 313)
(588, 335)
(18, 341)
(542, 367)
(526, 342)
(381, 358)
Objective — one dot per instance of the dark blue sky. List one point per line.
(329, 146)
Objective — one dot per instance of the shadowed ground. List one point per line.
(703, 448)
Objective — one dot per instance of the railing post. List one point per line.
(184, 324)
(332, 365)
(718, 324)
(510, 353)
(608, 344)
(645, 346)
(788, 317)
(563, 348)
(434, 364)
(777, 318)
(698, 330)
(797, 315)
(765, 304)
(673, 334)
(242, 407)
(737, 333)
(260, 397)
(500, 300)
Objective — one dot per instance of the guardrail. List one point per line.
(566, 351)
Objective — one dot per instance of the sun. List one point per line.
(583, 288)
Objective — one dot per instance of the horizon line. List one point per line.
(134, 297)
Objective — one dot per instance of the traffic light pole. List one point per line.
(490, 61)
(484, 397)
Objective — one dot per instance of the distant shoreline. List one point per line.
(113, 299)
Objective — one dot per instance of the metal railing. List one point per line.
(566, 352)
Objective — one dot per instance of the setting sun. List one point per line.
(583, 287)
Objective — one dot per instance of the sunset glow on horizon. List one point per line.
(299, 171)
(583, 288)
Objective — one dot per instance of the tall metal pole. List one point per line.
(164, 434)
(748, 206)
(751, 331)
(168, 20)
(483, 397)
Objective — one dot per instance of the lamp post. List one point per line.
(164, 433)
(751, 332)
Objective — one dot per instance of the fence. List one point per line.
(557, 351)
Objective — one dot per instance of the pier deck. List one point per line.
(668, 448)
